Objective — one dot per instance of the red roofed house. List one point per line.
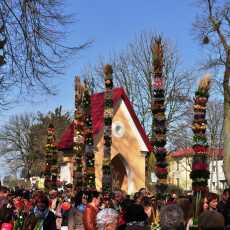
(129, 144)
(180, 168)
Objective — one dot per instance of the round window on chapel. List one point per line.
(118, 129)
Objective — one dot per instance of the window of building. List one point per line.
(118, 129)
(177, 165)
(213, 168)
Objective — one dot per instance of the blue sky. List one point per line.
(112, 25)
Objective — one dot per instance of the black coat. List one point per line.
(221, 207)
(227, 214)
(50, 222)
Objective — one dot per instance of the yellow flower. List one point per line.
(199, 107)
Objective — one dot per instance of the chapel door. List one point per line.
(119, 173)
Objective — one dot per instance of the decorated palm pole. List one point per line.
(159, 119)
(78, 142)
(89, 157)
(108, 116)
(51, 169)
(200, 167)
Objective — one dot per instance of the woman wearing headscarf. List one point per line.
(107, 219)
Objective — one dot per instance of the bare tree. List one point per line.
(16, 142)
(23, 139)
(215, 123)
(215, 117)
(183, 137)
(133, 71)
(34, 48)
(213, 27)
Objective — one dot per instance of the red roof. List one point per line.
(97, 111)
(186, 152)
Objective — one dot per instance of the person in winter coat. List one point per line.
(41, 218)
(222, 203)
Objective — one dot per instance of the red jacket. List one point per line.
(89, 217)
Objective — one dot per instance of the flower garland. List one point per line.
(78, 146)
(89, 173)
(159, 119)
(108, 116)
(200, 169)
(51, 169)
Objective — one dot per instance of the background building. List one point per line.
(180, 167)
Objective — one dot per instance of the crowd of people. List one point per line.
(91, 210)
